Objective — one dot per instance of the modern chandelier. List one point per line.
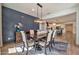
(39, 20)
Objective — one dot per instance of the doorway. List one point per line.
(69, 33)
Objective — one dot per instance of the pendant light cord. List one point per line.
(37, 11)
(41, 13)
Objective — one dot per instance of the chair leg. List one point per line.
(27, 51)
(46, 47)
(50, 48)
(45, 51)
(35, 46)
(23, 49)
(53, 42)
(49, 45)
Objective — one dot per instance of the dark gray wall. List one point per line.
(12, 17)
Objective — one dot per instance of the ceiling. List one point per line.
(31, 8)
(63, 19)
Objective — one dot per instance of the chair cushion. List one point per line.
(30, 42)
(41, 43)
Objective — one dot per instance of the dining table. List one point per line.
(38, 35)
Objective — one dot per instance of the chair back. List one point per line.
(31, 33)
(24, 38)
(49, 36)
(35, 34)
(54, 33)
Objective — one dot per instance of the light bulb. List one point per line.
(33, 9)
(54, 24)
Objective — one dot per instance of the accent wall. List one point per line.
(12, 17)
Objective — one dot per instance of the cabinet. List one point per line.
(18, 37)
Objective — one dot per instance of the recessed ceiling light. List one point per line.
(33, 9)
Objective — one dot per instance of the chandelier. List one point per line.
(39, 20)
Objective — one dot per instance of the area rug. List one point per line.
(60, 48)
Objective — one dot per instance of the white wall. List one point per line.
(42, 26)
(77, 25)
(0, 26)
(74, 26)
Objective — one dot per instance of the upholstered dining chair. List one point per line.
(27, 43)
(59, 44)
(53, 37)
(31, 33)
(46, 42)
